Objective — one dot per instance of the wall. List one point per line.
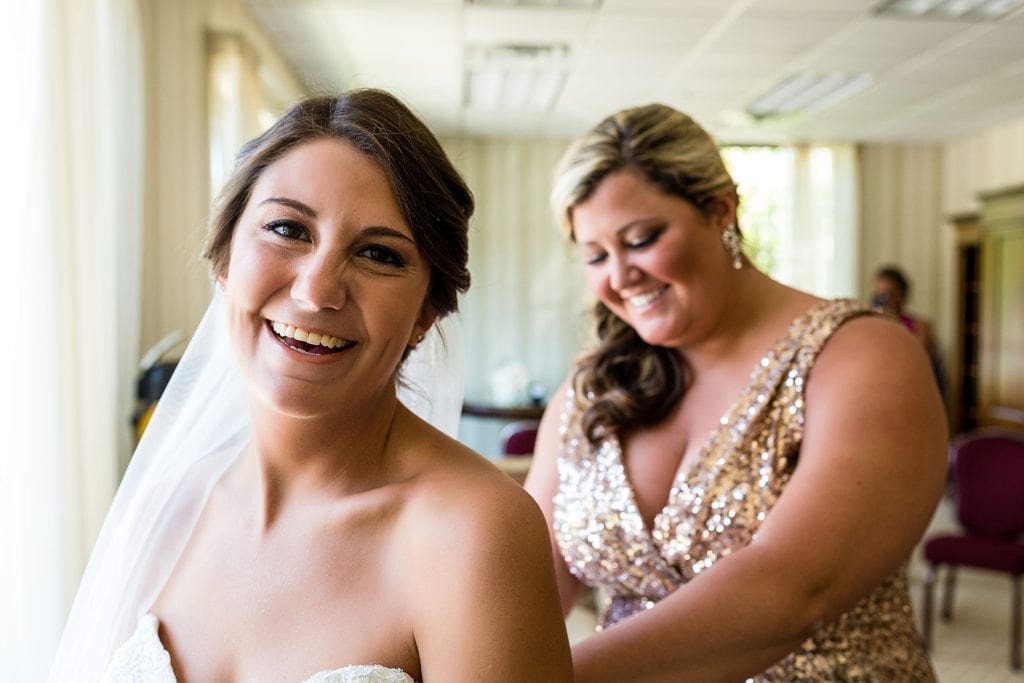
(527, 300)
(987, 160)
(902, 222)
(901, 218)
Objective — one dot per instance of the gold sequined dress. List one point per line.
(716, 507)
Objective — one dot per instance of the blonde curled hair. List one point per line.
(626, 383)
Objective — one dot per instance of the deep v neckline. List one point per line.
(683, 474)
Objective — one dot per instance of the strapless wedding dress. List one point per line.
(143, 659)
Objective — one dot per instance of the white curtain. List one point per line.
(73, 112)
(234, 102)
(799, 213)
(823, 254)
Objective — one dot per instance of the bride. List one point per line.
(287, 517)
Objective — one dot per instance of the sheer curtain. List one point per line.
(799, 213)
(71, 74)
(825, 223)
(246, 93)
(234, 101)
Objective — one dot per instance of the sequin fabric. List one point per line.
(715, 508)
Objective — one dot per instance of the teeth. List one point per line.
(312, 338)
(641, 300)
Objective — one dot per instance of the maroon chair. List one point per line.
(517, 438)
(988, 469)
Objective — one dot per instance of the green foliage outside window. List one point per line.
(762, 174)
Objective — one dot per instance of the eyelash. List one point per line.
(647, 241)
(298, 231)
(383, 255)
(378, 253)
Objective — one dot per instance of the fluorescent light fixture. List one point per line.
(808, 91)
(974, 10)
(515, 77)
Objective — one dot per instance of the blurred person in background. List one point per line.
(890, 291)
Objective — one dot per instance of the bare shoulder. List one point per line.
(872, 347)
(465, 503)
(475, 562)
(872, 391)
(459, 504)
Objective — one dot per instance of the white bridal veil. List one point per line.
(200, 425)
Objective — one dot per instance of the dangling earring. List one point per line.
(731, 240)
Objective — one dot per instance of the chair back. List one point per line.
(518, 438)
(989, 476)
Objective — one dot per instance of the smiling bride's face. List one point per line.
(325, 285)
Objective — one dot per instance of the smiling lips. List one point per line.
(642, 301)
(305, 341)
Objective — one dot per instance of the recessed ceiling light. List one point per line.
(514, 77)
(968, 10)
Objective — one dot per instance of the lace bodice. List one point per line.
(144, 659)
(716, 507)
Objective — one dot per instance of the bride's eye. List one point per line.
(383, 255)
(289, 230)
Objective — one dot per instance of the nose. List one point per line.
(620, 271)
(320, 283)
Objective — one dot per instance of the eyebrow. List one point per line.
(291, 203)
(383, 231)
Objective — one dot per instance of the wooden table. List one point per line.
(521, 412)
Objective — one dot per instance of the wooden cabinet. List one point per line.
(1001, 349)
(963, 371)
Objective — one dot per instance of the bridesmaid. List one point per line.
(741, 468)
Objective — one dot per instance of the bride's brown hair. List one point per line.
(432, 195)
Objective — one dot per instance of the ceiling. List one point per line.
(932, 79)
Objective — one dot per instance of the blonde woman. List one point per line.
(741, 468)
